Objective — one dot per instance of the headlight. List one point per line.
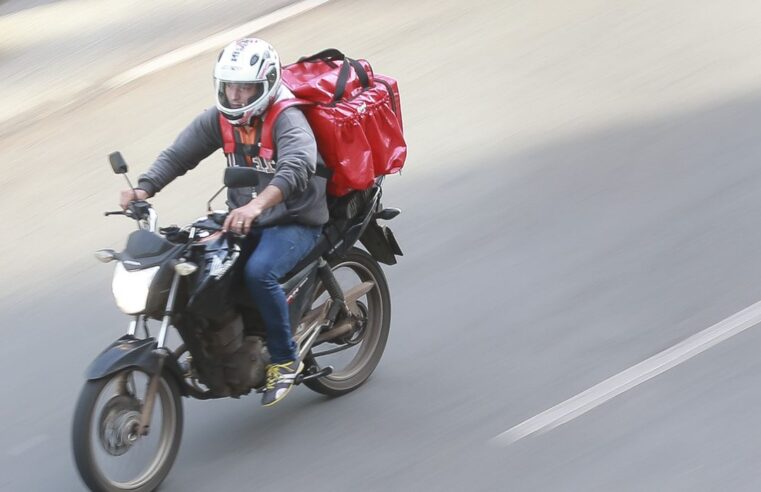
(131, 288)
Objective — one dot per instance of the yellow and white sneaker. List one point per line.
(280, 379)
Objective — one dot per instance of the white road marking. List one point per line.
(212, 42)
(635, 375)
(27, 445)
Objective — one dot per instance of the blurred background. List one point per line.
(582, 192)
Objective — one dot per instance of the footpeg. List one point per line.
(312, 374)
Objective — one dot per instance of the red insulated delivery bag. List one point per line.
(355, 116)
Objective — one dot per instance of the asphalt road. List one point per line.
(55, 53)
(582, 192)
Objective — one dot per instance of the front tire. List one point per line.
(376, 304)
(104, 438)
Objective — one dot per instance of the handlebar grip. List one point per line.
(118, 212)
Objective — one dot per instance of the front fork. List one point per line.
(161, 351)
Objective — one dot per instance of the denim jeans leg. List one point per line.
(278, 251)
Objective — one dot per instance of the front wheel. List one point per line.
(355, 356)
(109, 451)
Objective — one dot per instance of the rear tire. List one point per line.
(87, 433)
(377, 307)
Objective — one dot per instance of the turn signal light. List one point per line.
(185, 268)
(105, 255)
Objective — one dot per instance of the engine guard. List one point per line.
(130, 352)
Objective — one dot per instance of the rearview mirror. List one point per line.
(239, 177)
(118, 164)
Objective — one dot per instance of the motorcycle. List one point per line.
(128, 420)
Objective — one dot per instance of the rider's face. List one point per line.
(238, 95)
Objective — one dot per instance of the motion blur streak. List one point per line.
(583, 191)
(53, 53)
(187, 52)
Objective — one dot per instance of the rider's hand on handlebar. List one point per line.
(240, 219)
(127, 196)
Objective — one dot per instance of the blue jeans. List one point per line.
(278, 249)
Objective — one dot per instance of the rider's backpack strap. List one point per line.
(232, 144)
(268, 145)
(228, 135)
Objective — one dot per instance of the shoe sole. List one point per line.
(301, 368)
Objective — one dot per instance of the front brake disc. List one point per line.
(118, 424)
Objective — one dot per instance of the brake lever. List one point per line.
(118, 212)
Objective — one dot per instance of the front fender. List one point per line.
(124, 353)
(140, 353)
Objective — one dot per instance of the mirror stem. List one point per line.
(208, 204)
(129, 183)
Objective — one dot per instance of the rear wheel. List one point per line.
(355, 355)
(108, 450)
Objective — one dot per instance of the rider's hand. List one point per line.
(240, 219)
(127, 196)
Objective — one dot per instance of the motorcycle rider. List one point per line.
(289, 203)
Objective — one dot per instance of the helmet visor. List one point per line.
(238, 96)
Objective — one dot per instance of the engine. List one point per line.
(241, 358)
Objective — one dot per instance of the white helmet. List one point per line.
(247, 61)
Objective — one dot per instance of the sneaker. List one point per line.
(280, 379)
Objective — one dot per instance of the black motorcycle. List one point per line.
(128, 419)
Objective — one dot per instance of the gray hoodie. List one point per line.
(292, 170)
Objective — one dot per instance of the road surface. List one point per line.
(583, 191)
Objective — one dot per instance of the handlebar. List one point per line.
(137, 209)
(141, 211)
(214, 222)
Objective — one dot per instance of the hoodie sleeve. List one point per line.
(296, 152)
(195, 143)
